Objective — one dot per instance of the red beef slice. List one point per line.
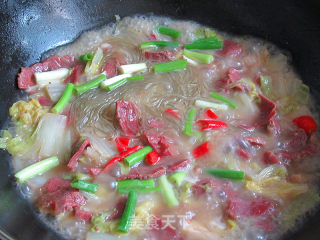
(128, 117)
(26, 76)
(112, 65)
(238, 208)
(230, 48)
(267, 117)
(164, 56)
(231, 77)
(160, 144)
(57, 196)
(82, 214)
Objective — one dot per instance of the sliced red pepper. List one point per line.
(122, 155)
(130, 151)
(211, 114)
(122, 143)
(111, 162)
(307, 123)
(174, 113)
(152, 158)
(121, 147)
(201, 150)
(211, 124)
(74, 159)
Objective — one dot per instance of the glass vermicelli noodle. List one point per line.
(152, 128)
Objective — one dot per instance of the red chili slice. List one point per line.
(211, 114)
(122, 155)
(307, 123)
(111, 162)
(152, 158)
(211, 124)
(201, 150)
(173, 112)
(122, 143)
(130, 151)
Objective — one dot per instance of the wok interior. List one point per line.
(35, 21)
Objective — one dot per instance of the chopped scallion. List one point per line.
(205, 43)
(171, 66)
(92, 66)
(160, 44)
(50, 77)
(64, 99)
(177, 178)
(141, 186)
(128, 213)
(200, 57)
(113, 80)
(226, 173)
(115, 85)
(84, 186)
(206, 104)
(137, 156)
(140, 190)
(189, 121)
(134, 78)
(77, 176)
(189, 60)
(131, 68)
(169, 32)
(86, 57)
(223, 99)
(91, 84)
(37, 168)
(135, 183)
(167, 192)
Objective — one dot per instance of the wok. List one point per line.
(30, 28)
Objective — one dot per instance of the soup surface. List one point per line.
(152, 128)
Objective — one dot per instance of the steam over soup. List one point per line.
(152, 128)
